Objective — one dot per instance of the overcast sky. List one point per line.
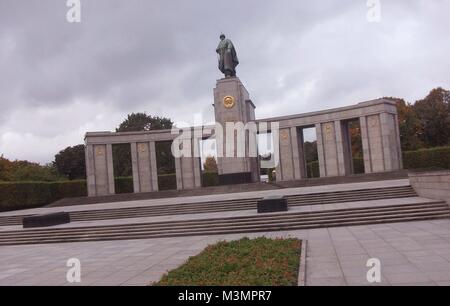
(59, 80)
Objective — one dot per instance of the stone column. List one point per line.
(110, 166)
(292, 163)
(320, 150)
(343, 154)
(295, 153)
(179, 173)
(188, 169)
(90, 170)
(103, 170)
(381, 143)
(135, 168)
(399, 144)
(197, 167)
(391, 146)
(375, 143)
(365, 144)
(145, 167)
(301, 154)
(330, 149)
(285, 171)
(153, 166)
(143, 160)
(333, 160)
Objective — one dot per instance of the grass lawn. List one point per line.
(245, 262)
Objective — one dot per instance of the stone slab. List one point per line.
(46, 220)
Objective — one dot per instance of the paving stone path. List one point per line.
(414, 253)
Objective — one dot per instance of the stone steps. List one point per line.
(244, 224)
(229, 205)
(216, 190)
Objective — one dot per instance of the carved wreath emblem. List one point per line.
(229, 101)
(328, 131)
(98, 151)
(142, 147)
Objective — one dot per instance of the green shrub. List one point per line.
(245, 262)
(358, 165)
(21, 195)
(312, 169)
(210, 179)
(167, 181)
(67, 189)
(272, 174)
(427, 158)
(123, 184)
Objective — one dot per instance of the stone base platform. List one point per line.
(240, 188)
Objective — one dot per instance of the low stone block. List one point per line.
(272, 204)
(46, 220)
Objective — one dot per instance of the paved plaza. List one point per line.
(414, 253)
(411, 253)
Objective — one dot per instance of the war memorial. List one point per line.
(345, 224)
(235, 134)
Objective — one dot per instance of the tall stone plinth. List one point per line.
(232, 105)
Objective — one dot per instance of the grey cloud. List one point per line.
(158, 56)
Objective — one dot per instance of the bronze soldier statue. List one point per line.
(227, 57)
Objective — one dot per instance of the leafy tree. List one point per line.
(71, 162)
(164, 158)
(22, 170)
(136, 122)
(210, 164)
(410, 125)
(122, 160)
(27, 171)
(5, 169)
(434, 114)
(142, 122)
(311, 151)
(355, 138)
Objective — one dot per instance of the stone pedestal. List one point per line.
(46, 220)
(232, 105)
(272, 204)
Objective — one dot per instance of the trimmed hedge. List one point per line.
(210, 179)
(21, 195)
(313, 167)
(167, 181)
(427, 158)
(358, 165)
(123, 184)
(434, 158)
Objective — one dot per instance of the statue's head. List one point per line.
(222, 36)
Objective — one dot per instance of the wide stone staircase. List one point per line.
(201, 225)
(229, 205)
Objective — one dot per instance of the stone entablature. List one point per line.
(372, 107)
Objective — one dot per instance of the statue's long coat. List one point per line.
(227, 60)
